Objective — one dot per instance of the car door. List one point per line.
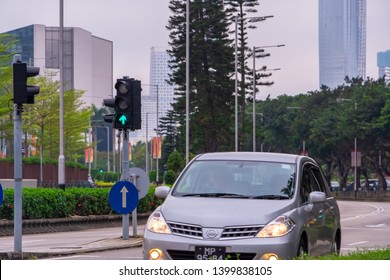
(329, 213)
(313, 223)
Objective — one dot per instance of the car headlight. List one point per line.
(282, 225)
(156, 223)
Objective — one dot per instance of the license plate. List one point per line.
(210, 253)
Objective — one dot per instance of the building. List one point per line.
(383, 63)
(342, 40)
(88, 64)
(88, 60)
(160, 95)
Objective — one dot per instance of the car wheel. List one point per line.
(336, 246)
(302, 248)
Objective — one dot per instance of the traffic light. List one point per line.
(128, 104)
(23, 93)
(109, 102)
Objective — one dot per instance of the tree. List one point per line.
(175, 162)
(6, 104)
(211, 66)
(169, 129)
(244, 11)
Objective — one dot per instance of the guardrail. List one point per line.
(364, 195)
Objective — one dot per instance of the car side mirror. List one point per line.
(162, 191)
(317, 197)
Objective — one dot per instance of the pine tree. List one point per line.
(211, 69)
(245, 13)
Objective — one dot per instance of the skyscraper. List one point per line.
(160, 95)
(342, 40)
(88, 60)
(383, 63)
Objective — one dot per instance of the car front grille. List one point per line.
(240, 232)
(193, 231)
(190, 255)
(228, 233)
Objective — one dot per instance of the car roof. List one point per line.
(250, 156)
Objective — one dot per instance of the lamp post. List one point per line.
(187, 81)
(61, 158)
(254, 87)
(236, 73)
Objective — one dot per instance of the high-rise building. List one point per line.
(88, 64)
(160, 94)
(342, 40)
(383, 63)
(88, 60)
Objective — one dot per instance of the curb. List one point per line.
(75, 223)
(97, 246)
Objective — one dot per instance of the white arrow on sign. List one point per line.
(124, 191)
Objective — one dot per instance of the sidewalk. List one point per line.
(80, 240)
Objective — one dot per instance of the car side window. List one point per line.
(311, 181)
(320, 181)
(305, 185)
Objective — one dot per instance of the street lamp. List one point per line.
(254, 87)
(236, 74)
(187, 81)
(61, 157)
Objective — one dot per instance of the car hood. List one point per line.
(222, 212)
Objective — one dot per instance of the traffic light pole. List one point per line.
(18, 173)
(125, 177)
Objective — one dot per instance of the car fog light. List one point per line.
(270, 257)
(155, 254)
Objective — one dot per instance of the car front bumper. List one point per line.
(173, 246)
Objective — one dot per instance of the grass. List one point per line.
(380, 254)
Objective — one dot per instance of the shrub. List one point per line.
(170, 177)
(42, 203)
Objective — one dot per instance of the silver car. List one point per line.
(247, 206)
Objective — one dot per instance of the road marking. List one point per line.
(376, 226)
(357, 243)
(376, 211)
(75, 256)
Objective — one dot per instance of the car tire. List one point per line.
(336, 246)
(302, 248)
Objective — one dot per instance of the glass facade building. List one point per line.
(383, 63)
(88, 60)
(342, 40)
(158, 88)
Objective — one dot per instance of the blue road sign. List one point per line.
(1, 195)
(123, 197)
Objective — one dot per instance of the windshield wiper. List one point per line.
(270, 196)
(229, 195)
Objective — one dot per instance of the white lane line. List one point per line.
(357, 243)
(75, 256)
(376, 211)
(33, 241)
(376, 226)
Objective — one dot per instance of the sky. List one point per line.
(135, 26)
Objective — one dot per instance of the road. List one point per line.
(365, 225)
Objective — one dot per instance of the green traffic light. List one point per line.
(123, 119)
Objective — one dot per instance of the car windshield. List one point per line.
(237, 179)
